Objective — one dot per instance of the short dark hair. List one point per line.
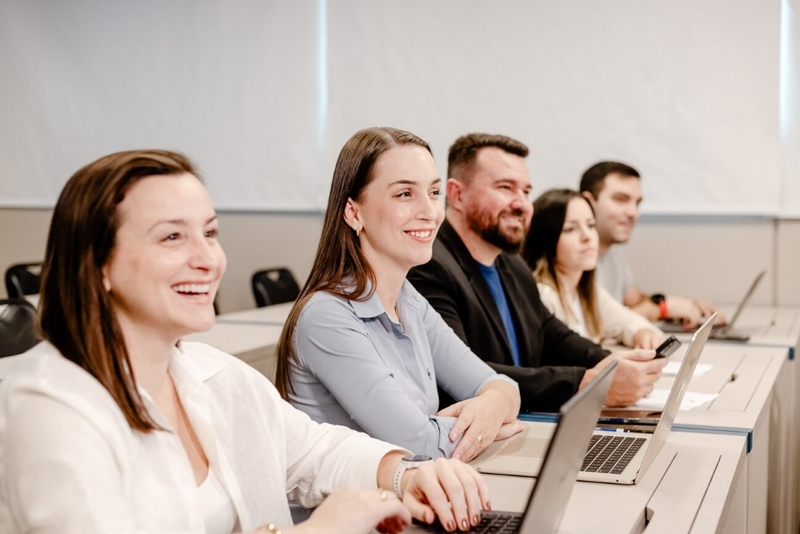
(465, 149)
(594, 178)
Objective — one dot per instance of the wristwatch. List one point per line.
(409, 462)
(661, 301)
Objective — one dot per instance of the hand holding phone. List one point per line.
(667, 347)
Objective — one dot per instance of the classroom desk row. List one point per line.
(728, 466)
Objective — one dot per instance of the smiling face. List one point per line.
(400, 210)
(617, 208)
(166, 263)
(576, 251)
(496, 200)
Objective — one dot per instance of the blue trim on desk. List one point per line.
(698, 429)
(539, 417)
(718, 430)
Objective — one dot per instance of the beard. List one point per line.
(488, 227)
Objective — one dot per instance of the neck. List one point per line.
(480, 250)
(149, 352)
(569, 279)
(388, 282)
(603, 246)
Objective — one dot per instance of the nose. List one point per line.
(206, 254)
(426, 208)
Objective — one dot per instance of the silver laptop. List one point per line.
(725, 332)
(562, 459)
(618, 453)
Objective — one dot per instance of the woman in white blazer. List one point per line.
(561, 249)
(113, 424)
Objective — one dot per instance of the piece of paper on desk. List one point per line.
(658, 398)
(672, 368)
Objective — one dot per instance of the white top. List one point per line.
(577, 312)
(219, 514)
(620, 324)
(69, 462)
(614, 273)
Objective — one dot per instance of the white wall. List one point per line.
(706, 258)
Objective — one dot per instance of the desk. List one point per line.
(757, 402)
(770, 326)
(696, 484)
(275, 314)
(252, 343)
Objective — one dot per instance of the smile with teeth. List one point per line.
(422, 234)
(192, 289)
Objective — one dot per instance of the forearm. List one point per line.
(647, 308)
(506, 394)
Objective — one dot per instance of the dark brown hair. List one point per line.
(549, 213)
(339, 258)
(594, 178)
(465, 149)
(75, 311)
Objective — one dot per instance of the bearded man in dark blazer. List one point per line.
(486, 292)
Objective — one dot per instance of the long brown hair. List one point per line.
(75, 310)
(339, 257)
(549, 213)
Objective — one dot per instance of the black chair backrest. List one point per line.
(17, 327)
(274, 286)
(23, 279)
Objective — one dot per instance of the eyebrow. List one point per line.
(179, 222)
(413, 182)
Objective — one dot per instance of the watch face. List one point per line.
(658, 298)
(417, 458)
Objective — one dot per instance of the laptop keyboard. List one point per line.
(610, 454)
(491, 523)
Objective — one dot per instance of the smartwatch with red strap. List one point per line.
(661, 301)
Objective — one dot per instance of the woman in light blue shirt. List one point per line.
(362, 347)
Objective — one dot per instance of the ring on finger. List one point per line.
(382, 493)
(479, 439)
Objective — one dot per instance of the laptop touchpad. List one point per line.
(527, 447)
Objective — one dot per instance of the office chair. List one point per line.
(274, 286)
(23, 279)
(17, 327)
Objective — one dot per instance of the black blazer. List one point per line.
(553, 358)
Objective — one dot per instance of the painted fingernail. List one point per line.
(464, 524)
(476, 520)
(488, 505)
(451, 525)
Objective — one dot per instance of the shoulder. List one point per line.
(43, 372)
(547, 292)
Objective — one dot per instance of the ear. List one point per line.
(589, 196)
(454, 191)
(106, 281)
(352, 215)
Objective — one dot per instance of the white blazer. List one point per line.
(69, 462)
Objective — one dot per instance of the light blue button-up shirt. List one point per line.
(359, 368)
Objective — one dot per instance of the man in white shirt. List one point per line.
(614, 190)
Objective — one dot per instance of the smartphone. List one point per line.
(667, 347)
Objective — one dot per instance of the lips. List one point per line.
(421, 234)
(192, 289)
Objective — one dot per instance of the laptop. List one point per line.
(559, 467)
(723, 332)
(621, 451)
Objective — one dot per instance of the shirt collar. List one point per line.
(373, 307)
